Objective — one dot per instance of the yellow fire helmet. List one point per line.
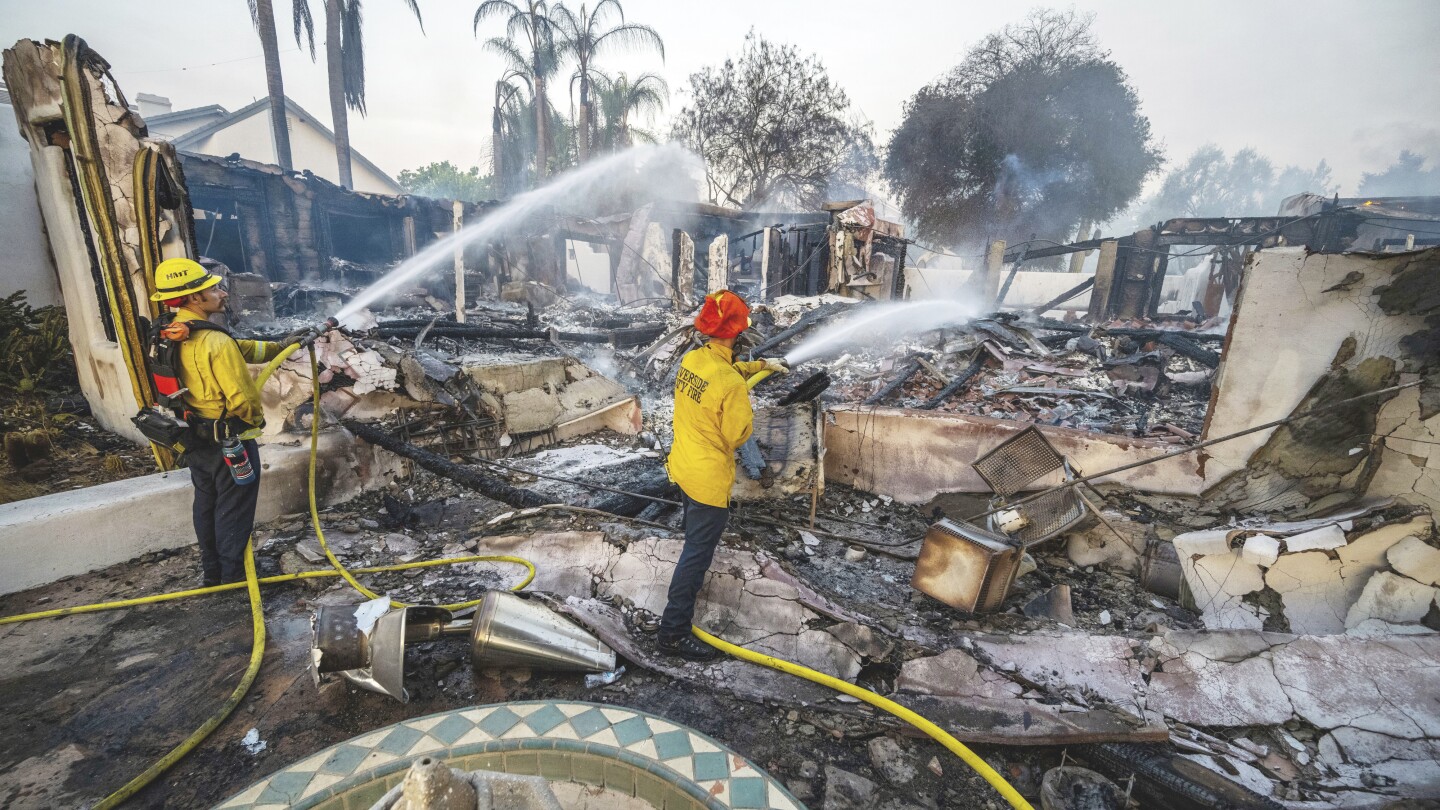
(176, 278)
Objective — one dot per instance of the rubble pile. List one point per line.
(1126, 378)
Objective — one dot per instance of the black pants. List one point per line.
(224, 511)
(703, 527)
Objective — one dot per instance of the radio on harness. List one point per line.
(165, 422)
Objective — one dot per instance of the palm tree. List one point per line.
(620, 99)
(509, 143)
(345, 64)
(533, 21)
(262, 14)
(584, 36)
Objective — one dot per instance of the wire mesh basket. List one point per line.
(1017, 463)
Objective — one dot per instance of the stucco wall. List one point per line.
(1286, 332)
(25, 262)
(310, 148)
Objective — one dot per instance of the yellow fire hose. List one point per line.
(941, 736)
(257, 615)
(257, 650)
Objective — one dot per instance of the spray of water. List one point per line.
(881, 325)
(632, 170)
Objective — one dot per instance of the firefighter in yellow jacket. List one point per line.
(712, 419)
(221, 401)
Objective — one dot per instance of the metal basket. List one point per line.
(1017, 463)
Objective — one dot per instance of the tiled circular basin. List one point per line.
(668, 766)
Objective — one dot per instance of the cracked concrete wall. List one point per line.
(1297, 317)
(912, 456)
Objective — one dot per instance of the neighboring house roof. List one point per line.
(165, 121)
(190, 140)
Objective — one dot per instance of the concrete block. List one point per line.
(1261, 549)
(1415, 559)
(60, 535)
(956, 674)
(1321, 539)
(1203, 543)
(1392, 598)
(1315, 596)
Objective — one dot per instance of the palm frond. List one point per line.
(352, 55)
(495, 8)
(633, 37)
(254, 12)
(414, 6)
(304, 23)
(506, 49)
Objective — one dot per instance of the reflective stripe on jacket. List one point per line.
(712, 419)
(213, 366)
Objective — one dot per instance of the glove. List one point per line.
(777, 366)
(300, 336)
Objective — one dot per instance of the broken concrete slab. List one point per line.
(1321, 539)
(1218, 584)
(1102, 665)
(865, 641)
(1204, 543)
(1415, 559)
(738, 602)
(1388, 686)
(1262, 550)
(1392, 598)
(1217, 679)
(1315, 596)
(954, 673)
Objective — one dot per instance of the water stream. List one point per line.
(634, 169)
(881, 325)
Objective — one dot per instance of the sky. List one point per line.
(1300, 80)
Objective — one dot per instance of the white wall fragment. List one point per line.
(1323, 538)
(1392, 598)
(1416, 559)
(1315, 596)
(1208, 541)
(1219, 583)
(1261, 549)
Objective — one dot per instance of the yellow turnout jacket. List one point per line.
(712, 419)
(213, 366)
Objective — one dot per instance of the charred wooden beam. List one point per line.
(806, 321)
(488, 485)
(958, 383)
(906, 372)
(1139, 334)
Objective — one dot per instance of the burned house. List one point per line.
(1176, 527)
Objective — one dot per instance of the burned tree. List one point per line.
(772, 127)
(1035, 132)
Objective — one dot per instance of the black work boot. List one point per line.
(688, 647)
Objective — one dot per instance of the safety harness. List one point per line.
(168, 422)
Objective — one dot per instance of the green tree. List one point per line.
(1406, 177)
(1246, 184)
(620, 100)
(1034, 132)
(584, 37)
(445, 181)
(772, 128)
(529, 24)
(262, 14)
